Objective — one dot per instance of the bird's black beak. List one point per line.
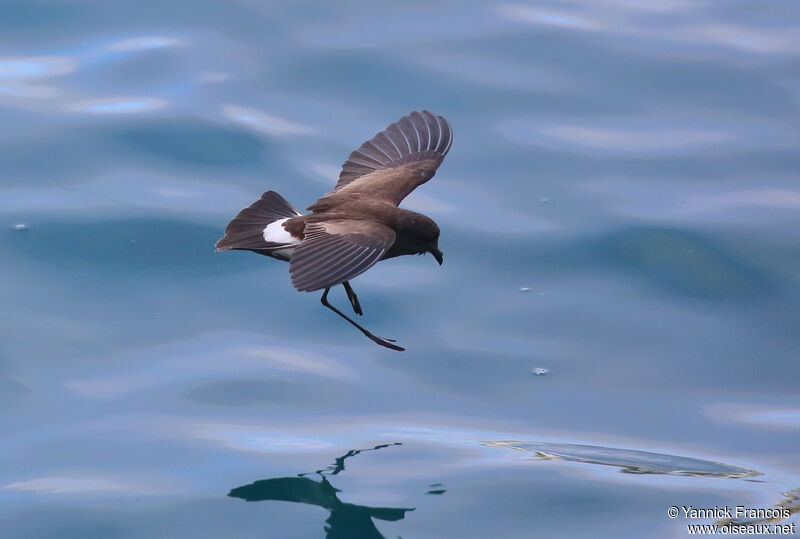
(438, 255)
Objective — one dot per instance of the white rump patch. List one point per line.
(275, 233)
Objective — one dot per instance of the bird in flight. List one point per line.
(359, 222)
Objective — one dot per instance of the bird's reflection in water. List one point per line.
(346, 520)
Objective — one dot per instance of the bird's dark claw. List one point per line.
(387, 343)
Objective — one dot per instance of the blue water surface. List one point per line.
(620, 207)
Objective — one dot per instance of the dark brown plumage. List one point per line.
(359, 222)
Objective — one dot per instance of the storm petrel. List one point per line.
(358, 223)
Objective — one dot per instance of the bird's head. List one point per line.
(429, 234)
(437, 254)
(423, 233)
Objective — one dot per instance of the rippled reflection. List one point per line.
(264, 122)
(22, 77)
(631, 461)
(144, 43)
(787, 418)
(346, 520)
(630, 18)
(119, 105)
(35, 67)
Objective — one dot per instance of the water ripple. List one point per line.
(630, 461)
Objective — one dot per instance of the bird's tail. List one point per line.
(246, 230)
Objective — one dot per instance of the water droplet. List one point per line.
(524, 289)
(20, 226)
(539, 371)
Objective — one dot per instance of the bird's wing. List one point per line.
(397, 160)
(336, 251)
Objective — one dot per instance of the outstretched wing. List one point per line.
(397, 160)
(420, 136)
(336, 251)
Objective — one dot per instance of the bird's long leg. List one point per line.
(378, 340)
(351, 295)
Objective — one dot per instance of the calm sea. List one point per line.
(620, 210)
